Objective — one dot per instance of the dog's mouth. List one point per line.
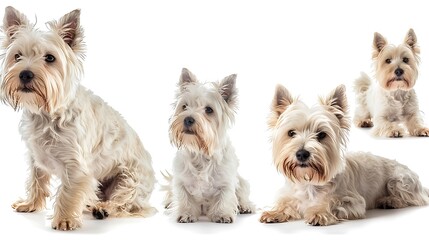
(26, 89)
(190, 132)
(303, 165)
(396, 80)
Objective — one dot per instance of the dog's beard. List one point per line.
(32, 95)
(393, 83)
(313, 171)
(196, 139)
(325, 161)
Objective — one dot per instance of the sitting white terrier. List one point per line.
(205, 179)
(323, 184)
(70, 132)
(392, 100)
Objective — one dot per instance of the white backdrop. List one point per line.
(136, 50)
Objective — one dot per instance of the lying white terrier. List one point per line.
(70, 132)
(324, 184)
(205, 179)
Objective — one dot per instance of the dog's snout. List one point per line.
(302, 155)
(399, 72)
(189, 121)
(26, 76)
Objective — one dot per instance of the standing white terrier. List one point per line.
(205, 179)
(392, 100)
(324, 184)
(70, 132)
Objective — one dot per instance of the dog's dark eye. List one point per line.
(388, 61)
(321, 135)
(291, 133)
(209, 110)
(405, 60)
(184, 107)
(17, 57)
(49, 58)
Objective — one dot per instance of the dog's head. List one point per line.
(396, 67)
(203, 113)
(309, 143)
(40, 70)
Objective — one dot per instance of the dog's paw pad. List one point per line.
(99, 213)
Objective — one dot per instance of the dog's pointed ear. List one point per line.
(411, 41)
(378, 44)
(336, 103)
(186, 77)
(69, 29)
(228, 90)
(13, 20)
(281, 101)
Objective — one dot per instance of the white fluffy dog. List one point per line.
(324, 184)
(391, 102)
(70, 132)
(205, 179)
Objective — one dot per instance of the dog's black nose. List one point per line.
(189, 121)
(26, 76)
(302, 155)
(399, 72)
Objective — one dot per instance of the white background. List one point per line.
(136, 50)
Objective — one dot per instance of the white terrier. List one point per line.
(324, 185)
(205, 179)
(70, 132)
(392, 100)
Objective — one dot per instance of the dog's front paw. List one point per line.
(27, 206)
(226, 218)
(99, 210)
(274, 217)
(321, 219)
(186, 218)
(66, 224)
(367, 123)
(422, 132)
(395, 134)
(246, 208)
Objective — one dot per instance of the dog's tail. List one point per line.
(362, 84)
(168, 188)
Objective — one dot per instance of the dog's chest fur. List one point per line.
(201, 183)
(71, 137)
(203, 177)
(47, 138)
(395, 105)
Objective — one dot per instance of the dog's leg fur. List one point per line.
(242, 192)
(224, 208)
(75, 190)
(284, 210)
(37, 190)
(188, 209)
